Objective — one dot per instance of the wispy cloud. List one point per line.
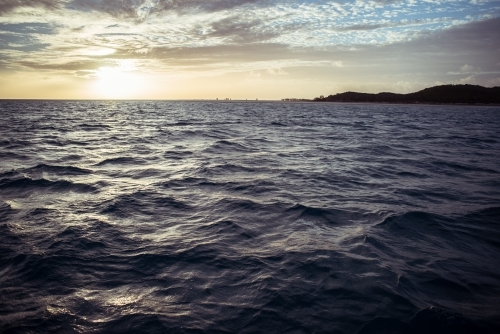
(276, 71)
(238, 29)
(469, 69)
(7, 6)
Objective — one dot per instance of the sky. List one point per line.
(243, 49)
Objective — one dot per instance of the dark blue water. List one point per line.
(180, 217)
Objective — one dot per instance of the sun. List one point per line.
(122, 81)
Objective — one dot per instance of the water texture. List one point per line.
(206, 217)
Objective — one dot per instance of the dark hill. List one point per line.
(463, 94)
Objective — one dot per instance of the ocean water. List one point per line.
(206, 217)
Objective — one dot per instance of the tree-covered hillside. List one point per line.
(466, 94)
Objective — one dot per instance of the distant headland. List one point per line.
(445, 94)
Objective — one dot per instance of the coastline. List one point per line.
(419, 104)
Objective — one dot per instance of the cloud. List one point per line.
(205, 55)
(140, 9)
(254, 75)
(364, 27)
(24, 36)
(202, 5)
(467, 68)
(236, 40)
(27, 28)
(276, 71)
(471, 79)
(483, 35)
(135, 9)
(387, 2)
(238, 29)
(7, 6)
(405, 86)
(116, 8)
(494, 82)
(473, 42)
(69, 66)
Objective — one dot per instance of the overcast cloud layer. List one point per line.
(243, 48)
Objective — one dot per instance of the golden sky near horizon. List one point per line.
(243, 49)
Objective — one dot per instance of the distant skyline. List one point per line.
(243, 49)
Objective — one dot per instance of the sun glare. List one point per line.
(120, 82)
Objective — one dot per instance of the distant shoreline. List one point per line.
(402, 103)
(437, 95)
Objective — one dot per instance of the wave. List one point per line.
(182, 123)
(471, 224)
(59, 170)
(450, 167)
(14, 156)
(226, 168)
(92, 127)
(177, 154)
(144, 203)
(121, 161)
(224, 227)
(25, 185)
(225, 146)
(5, 211)
(331, 216)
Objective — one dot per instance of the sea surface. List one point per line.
(213, 217)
